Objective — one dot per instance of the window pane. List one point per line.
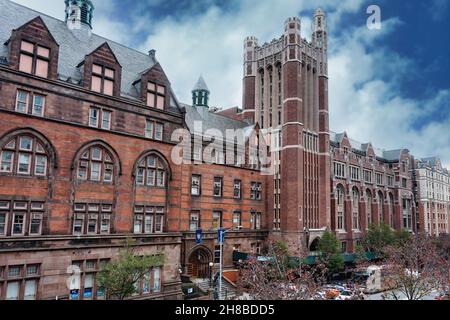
(96, 69)
(35, 225)
(24, 164)
(109, 73)
(96, 154)
(41, 68)
(160, 102)
(30, 290)
(149, 129)
(2, 224)
(26, 143)
(22, 101)
(43, 52)
(157, 280)
(108, 87)
(18, 224)
(96, 84)
(149, 223)
(12, 292)
(106, 120)
(6, 161)
(150, 177)
(150, 100)
(41, 165)
(151, 86)
(137, 224)
(160, 176)
(26, 63)
(161, 89)
(93, 117)
(95, 171)
(27, 46)
(159, 131)
(38, 105)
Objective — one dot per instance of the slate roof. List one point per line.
(211, 120)
(72, 49)
(388, 155)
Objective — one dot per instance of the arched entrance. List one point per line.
(199, 261)
(314, 247)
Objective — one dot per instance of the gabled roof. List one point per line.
(71, 49)
(388, 155)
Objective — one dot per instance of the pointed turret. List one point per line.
(200, 94)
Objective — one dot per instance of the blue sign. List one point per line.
(199, 236)
(74, 294)
(87, 293)
(221, 236)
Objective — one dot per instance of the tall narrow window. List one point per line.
(38, 105)
(154, 130)
(217, 188)
(340, 208)
(196, 185)
(106, 119)
(355, 205)
(22, 101)
(237, 219)
(194, 221)
(102, 79)
(237, 189)
(217, 220)
(369, 207)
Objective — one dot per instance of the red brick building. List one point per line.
(90, 154)
(86, 161)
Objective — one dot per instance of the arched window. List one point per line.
(391, 210)
(369, 207)
(340, 194)
(24, 155)
(151, 171)
(380, 201)
(355, 207)
(96, 164)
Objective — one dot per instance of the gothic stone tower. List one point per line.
(286, 92)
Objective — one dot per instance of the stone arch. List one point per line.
(314, 246)
(48, 146)
(198, 262)
(103, 144)
(157, 154)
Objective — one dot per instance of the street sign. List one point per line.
(221, 236)
(198, 236)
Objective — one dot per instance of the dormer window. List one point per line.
(102, 79)
(34, 59)
(156, 95)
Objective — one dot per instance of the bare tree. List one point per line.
(416, 268)
(279, 277)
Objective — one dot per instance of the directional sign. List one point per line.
(199, 236)
(221, 235)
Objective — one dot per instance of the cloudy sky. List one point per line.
(389, 86)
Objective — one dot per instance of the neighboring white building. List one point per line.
(433, 195)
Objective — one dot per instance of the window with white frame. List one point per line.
(367, 176)
(379, 178)
(24, 155)
(237, 189)
(194, 220)
(217, 220)
(256, 191)
(196, 185)
(255, 220)
(217, 187)
(354, 171)
(339, 170)
(237, 219)
(21, 218)
(154, 130)
(148, 219)
(100, 118)
(151, 172)
(96, 164)
(92, 218)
